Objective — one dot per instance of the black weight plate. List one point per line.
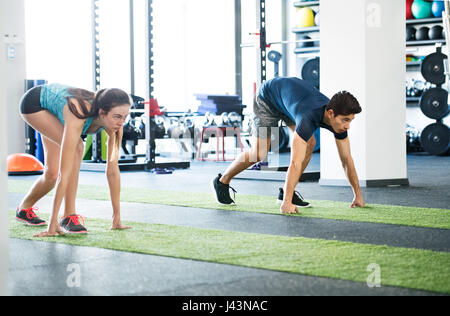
(433, 68)
(435, 139)
(311, 72)
(434, 103)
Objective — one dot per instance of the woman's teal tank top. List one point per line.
(54, 99)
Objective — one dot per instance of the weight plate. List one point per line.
(311, 72)
(435, 139)
(434, 103)
(433, 68)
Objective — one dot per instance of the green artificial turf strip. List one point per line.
(386, 214)
(401, 267)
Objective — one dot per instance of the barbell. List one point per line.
(268, 45)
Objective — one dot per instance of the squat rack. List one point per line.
(150, 163)
(274, 173)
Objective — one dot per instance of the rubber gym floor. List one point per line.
(41, 267)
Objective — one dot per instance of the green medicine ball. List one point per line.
(421, 9)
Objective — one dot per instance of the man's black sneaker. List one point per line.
(71, 225)
(297, 199)
(223, 192)
(29, 217)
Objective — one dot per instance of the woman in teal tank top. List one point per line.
(54, 99)
(63, 114)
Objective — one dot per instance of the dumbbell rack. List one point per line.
(433, 102)
(414, 45)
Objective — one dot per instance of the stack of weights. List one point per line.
(306, 17)
(435, 138)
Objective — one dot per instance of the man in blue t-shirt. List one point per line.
(304, 109)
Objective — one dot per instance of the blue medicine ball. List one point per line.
(437, 8)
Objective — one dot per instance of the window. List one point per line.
(193, 46)
(58, 41)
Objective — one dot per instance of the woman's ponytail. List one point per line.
(96, 103)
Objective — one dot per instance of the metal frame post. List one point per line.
(96, 139)
(96, 45)
(150, 142)
(285, 36)
(261, 49)
(238, 49)
(132, 66)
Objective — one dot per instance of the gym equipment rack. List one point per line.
(151, 162)
(272, 173)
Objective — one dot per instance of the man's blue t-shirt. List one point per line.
(300, 101)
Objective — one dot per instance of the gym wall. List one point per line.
(13, 21)
(11, 18)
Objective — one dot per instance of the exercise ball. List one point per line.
(435, 32)
(421, 9)
(305, 44)
(422, 33)
(305, 17)
(409, 14)
(437, 7)
(410, 33)
(24, 164)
